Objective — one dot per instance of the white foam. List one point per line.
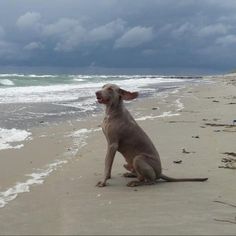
(9, 138)
(11, 75)
(39, 177)
(82, 76)
(169, 114)
(179, 104)
(85, 105)
(52, 93)
(138, 82)
(78, 133)
(78, 80)
(26, 75)
(6, 82)
(151, 117)
(40, 76)
(68, 92)
(80, 137)
(24, 187)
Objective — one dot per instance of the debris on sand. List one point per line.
(219, 125)
(225, 203)
(186, 152)
(181, 121)
(226, 130)
(217, 130)
(229, 162)
(177, 161)
(230, 154)
(227, 221)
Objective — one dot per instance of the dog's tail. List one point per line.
(170, 179)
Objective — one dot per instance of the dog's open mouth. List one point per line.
(100, 99)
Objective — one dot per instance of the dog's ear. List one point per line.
(126, 95)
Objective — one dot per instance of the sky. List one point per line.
(156, 36)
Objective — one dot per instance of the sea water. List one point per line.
(28, 100)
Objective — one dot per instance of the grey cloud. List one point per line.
(114, 33)
(198, 30)
(4, 48)
(70, 34)
(67, 33)
(227, 40)
(230, 4)
(135, 37)
(10, 52)
(29, 20)
(72, 41)
(107, 31)
(149, 52)
(33, 46)
(214, 29)
(183, 29)
(2, 32)
(60, 28)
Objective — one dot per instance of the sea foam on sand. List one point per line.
(40, 175)
(9, 138)
(151, 117)
(23, 187)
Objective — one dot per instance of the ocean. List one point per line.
(28, 100)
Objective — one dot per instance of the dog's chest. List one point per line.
(110, 126)
(105, 125)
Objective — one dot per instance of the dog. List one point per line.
(124, 135)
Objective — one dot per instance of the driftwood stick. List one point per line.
(225, 203)
(228, 221)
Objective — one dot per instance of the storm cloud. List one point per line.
(167, 36)
(134, 37)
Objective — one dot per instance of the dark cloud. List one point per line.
(134, 37)
(2, 32)
(180, 34)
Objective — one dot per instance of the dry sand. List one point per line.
(69, 203)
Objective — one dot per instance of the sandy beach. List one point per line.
(195, 138)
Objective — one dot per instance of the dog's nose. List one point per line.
(98, 93)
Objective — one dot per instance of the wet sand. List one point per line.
(191, 137)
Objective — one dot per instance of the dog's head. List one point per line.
(112, 94)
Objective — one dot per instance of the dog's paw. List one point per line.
(129, 175)
(133, 183)
(101, 184)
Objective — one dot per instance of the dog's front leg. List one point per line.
(111, 151)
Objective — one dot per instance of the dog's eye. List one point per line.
(110, 89)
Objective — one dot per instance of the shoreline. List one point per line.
(68, 203)
(48, 101)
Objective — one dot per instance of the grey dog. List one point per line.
(124, 135)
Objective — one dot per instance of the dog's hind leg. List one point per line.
(145, 173)
(131, 173)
